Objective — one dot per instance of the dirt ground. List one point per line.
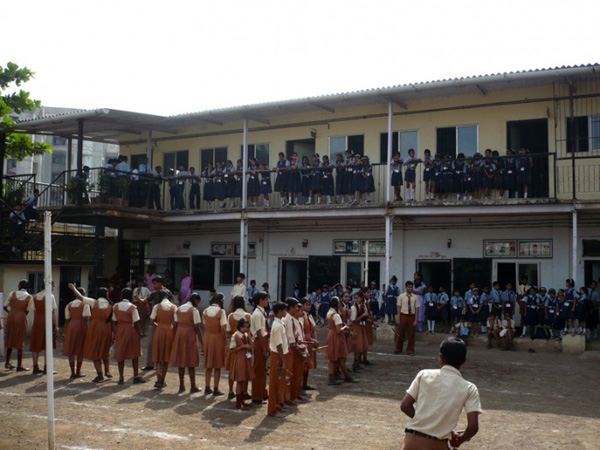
(541, 400)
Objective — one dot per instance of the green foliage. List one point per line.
(14, 100)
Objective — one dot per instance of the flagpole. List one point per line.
(49, 326)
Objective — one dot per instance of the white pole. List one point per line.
(245, 165)
(244, 245)
(389, 232)
(574, 254)
(49, 326)
(388, 191)
(366, 271)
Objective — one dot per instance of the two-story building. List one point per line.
(465, 233)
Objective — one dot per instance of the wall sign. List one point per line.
(535, 249)
(356, 247)
(500, 249)
(230, 249)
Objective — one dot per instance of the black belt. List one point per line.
(427, 436)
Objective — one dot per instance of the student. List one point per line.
(531, 317)
(182, 175)
(391, 300)
(316, 180)
(306, 179)
(431, 309)
(357, 343)
(347, 190)
(374, 298)
(184, 353)
(457, 304)
(474, 305)
(410, 174)
(229, 180)
(324, 305)
(569, 305)
(525, 164)
(494, 326)
(38, 330)
(328, 190)
(443, 301)
(484, 312)
(140, 296)
(238, 289)
(162, 319)
(336, 344)
(215, 341)
(339, 177)
(127, 336)
(428, 175)
(99, 336)
(419, 290)
(157, 181)
(241, 368)
(239, 183)
(459, 175)
(294, 180)
(279, 348)
(253, 187)
(155, 297)
(435, 400)
(298, 350)
(194, 196)
(309, 328)
(209, 186)
(462, 328)
(580, 310)
(551, 313)
(496, 299)
(260, 338)
(232, 325)
(281, 181)
(408, 308)
(509, 299)
(367, 186)
(16, 304)
(219, 184)
(265, 185)
(77, 314)
(508, 331)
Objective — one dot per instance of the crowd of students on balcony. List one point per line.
(348, 179)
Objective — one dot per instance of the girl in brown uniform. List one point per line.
(16, 305)
(310, 336)
(162, 318)
(127, 336)
(38, 330)
(215, 342)
(336, 343)
(241, 366)
(77, 314)
(357, 342)
(232, 322)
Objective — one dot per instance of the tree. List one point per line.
(13, 101)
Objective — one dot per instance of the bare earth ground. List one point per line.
(539, 400)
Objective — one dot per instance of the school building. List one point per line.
(551, 235)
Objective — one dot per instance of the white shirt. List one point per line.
(123, 305)
(258, 322)
(184, 308)
(213, 310)
(337, 319)
(42, 295)
(237, 315)
(278, 337)
(239, 290)
(21, 295)
(165, 305)
(289, 330)
(102, 302)
(142, 292)
(75, 303)
(441, 395)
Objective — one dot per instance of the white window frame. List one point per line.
(345, 142)
(267, 144)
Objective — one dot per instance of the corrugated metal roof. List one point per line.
(107, 125)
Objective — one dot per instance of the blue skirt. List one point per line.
(265, 186)
(328, 184)
(253, 186)
(209, 191)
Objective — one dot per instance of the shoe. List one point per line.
(146, 368)
(181, 390)
(258, 402)
(334, 382)
(411, 354)
(350, 380)
(79, 375)
(98, 379)
(366, 362)
(246, 396)
(230, 396)
(160, 385)
(217, 392)
(194, 389)
(37, 371)
(72, 377)
(208, 390)
(22, 369)
(308, 388)
(107, 375)
(121, 381)
(138, 380)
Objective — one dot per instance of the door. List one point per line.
(512, 272)
(291, 272)
(304, 147)
(178, 266)
(471, 270)
(436, 274)
(532, 134)
(355, 274)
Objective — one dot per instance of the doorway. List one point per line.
(436, 274)
(178, 266)
(291, 272)
(511, 272)
(532, 134)
(304, 147)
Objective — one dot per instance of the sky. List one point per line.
(174, 57)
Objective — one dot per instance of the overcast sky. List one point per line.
(172, 57)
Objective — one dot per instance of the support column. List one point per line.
(388, 192)
(80, 161)
(149, 152)
(574, 247)
(245, 166)
(2, 156)
(244, 245)
(389, 234)
(98, 250)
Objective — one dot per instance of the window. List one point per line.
(401, 141)
(173, 160)
(228, 269)
(454, 140)
(35, 282)
(322, 270)
(261, 152)
(583, 134)
(339, 144)
(59, 159)
(203, 272)
(136, 160)
(57, 140)
(212, 155)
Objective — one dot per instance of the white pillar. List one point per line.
(244, 245)
(366, 269)
(388, 191)
(245, 165)
(48, 314)
(389, 234)
(574, 247)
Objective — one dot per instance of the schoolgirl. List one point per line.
(457, 304)
(477, 174)
(568, 310)
(348, 176)
(357, 178)
(294, 180)
(531, 315)
(336, 344)
(128, 335)
(581, 308)
(162, 319)
(436, 182)
(468, 185)
(215, 339)
(310, 335)
(281, 181)
(220, 187)
(368, 183)
(38, 330)
(327, 189)
(493, 325)
(447, 175)
(459, 175)
(241, 366)
(375, 297)
(551, 311)
(485, 300)
(265, 185)
(419, 289)
(508, 331)
(525, 164)
(410, 175)
(509, 299)
(498, 180)
(443, 301)
(184, 353)
(17, 304)
(428, 175)
(431, 300)
(306, 173)
(339, 177)
(397, 181)
(239, 181)
(260, 339)
(209, 186)
(542, 313)
(77, 314)
(232, 325)
(391, 298)
(489, 172)
(357, 343)
(299, 351)
(99, 336)
(279, 348)
(253, 181)
(510, 174)
(474, 305)
(316, 180)
(194, 195)
(324, 304)
(229, 178)
(496, 300)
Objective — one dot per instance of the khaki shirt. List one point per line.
(440, 396)
(403, 303)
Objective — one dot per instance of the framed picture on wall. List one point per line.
(376, 248)
(341, 247)
(535, 249)
(500, 249)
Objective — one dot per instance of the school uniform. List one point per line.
(551, 309)
(99, 336)
(38, 329)
(509, 299)
(339, 177)
(220, 186)
(309, 327)
(357, 342)
(239, 182)
(253, 182)
(459, 174)
(327, 187)
(281, 181)
(336, 342)
(316, 182)
(410, 174)
(127, 340)
(524, 170)
(447, 175)
(232, 322)
(229, 180)
(209, 185)
(485, 307)
(496, 302)
(265, 182)
(297, 363)
(185, 351)
(305, 170)
(468, 184)
(580, 308)
(17, 304)
(294, 179)
(430, 306)
(510, 173)
(427, 169)
(194, 196)
(258, 324)
(531, 317)
(277, 376)
(368, 182)
(348, 176)
(215, 319)
(162, 344)
(241, 365)
(442, 303)
(408, 307)
(456, 307)
(474, 308)
(76, 315)
(391, 297)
